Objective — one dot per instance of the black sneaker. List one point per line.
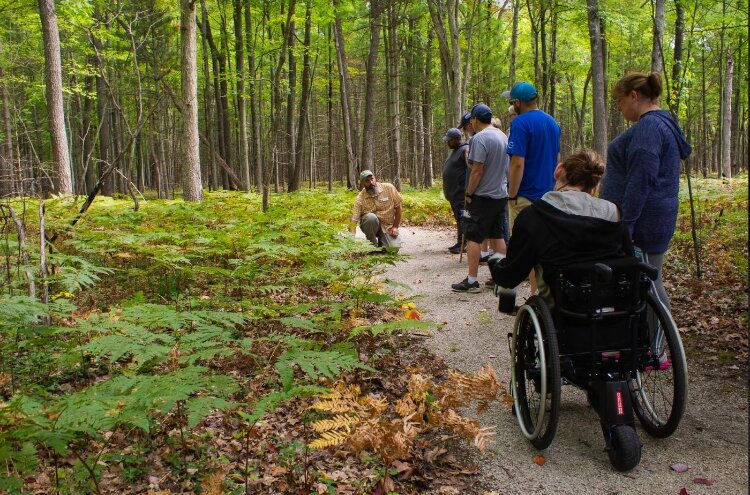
(456, 249)
(484, 259)
(490, 283)
(465, 286)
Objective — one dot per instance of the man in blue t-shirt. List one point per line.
(533, 146)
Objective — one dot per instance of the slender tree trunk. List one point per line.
(291, 132)
(329, 106)
(514, 44)
(597, 70)
(239, 61)
(352, 165)
(376, 8)
(6, 163)
(253, 95)
(553, 61)
(679, 33)
(437, 14)
(726, 121)
(296, 178)
(191, 172)
(395, 99)
(426, 130)
(657, 59)
(455, 60)
(54, 93)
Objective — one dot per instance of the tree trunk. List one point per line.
(191, 171)
(437, 14)
(673, 97)
(514, 44)
(54, 92)
(329, 105)
(291, 96)
(253, 95)
(395, 98)
(426, 130)
(599, 94)
(7, 177)
(657, 58)
(296, 178)
(726, 118)
(239, 61)
(456, 60)
(338, 36)
(367, 161)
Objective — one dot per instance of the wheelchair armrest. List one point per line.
(650, 271)
(603, 272)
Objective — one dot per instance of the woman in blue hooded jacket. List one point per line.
(642, 175)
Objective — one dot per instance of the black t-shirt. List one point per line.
(454, 175)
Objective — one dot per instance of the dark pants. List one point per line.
(456, 207)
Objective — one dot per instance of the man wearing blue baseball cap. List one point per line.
(533, 146)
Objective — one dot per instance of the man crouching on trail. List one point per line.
(377, 210)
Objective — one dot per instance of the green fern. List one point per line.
(315, 363)
(393, 326)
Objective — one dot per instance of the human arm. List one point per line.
(393, 229)
(477, 170)
(356, 214)
(515, 174)
(642, 163)
(522, 257)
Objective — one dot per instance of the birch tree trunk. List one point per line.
(599, 93)
(657, 58)
(191, 171)
(726, 118)
(63, 180)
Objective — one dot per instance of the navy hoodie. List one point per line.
(643, 178)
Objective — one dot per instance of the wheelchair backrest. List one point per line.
(595, 289)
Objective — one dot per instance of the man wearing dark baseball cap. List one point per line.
(377, 210)
(534, 146)
(454, 180)
(486, 192)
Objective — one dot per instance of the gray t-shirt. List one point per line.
(488, 147)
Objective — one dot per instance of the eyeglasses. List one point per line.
(513, 102)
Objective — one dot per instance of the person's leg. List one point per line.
(515, 208)
(456, 208)
(370, 225)
(392, 244)
(657, 343)
(472, 255)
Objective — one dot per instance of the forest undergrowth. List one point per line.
(213, 348)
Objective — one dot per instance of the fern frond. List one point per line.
(334, 406)
(341, 421)
(482, 438)
(328, 439)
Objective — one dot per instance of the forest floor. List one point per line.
(712, 439)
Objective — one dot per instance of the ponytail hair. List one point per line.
(583, 168)
(649, 86)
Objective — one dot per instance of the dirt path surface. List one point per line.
(712, 438)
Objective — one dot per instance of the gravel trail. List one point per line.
(712, 438)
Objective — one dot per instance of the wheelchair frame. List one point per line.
(619, 371)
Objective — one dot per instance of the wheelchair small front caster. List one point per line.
(625, 453)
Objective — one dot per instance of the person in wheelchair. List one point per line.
(567, 225)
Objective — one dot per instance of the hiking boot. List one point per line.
(456, 249)
(490, 283)
(465, 286)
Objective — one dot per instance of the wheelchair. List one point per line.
(608, 334)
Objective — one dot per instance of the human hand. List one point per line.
(393, 231)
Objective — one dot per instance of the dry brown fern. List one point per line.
(364, 423)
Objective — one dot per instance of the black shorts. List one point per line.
(486, 218)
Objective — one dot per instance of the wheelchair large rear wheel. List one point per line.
(535, 373)
(659, 388)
